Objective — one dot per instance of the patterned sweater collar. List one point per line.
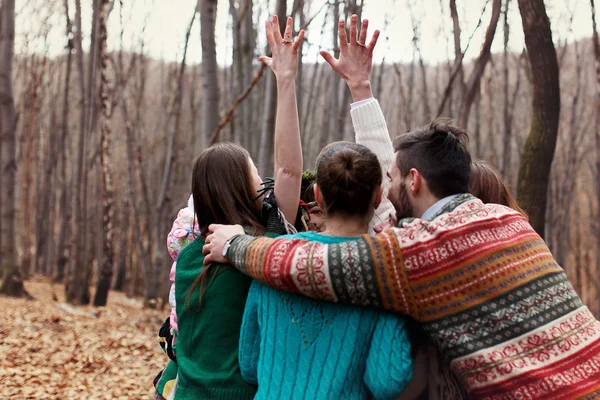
(446, 209)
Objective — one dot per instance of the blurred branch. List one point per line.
(225, 120)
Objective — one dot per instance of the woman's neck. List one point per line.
(344, 226)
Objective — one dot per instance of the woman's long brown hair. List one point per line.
(223, 194)
(487, 185)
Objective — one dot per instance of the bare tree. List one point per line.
(596, 45)
(105, 270)
(566, 165)
(48, 154)
(298, 13)
(537, 158)
(507, 124)
(76, 289)
(11, 278)
(456, 70)
(484, 56)
(417, 50)
(210, 81)
(244, 38)
(64, 240)
(265, 154)
(153, 282)
(334, 133)
(458, 53)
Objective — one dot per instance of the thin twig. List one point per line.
(225, 120)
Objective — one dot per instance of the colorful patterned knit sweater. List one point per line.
(480, 280)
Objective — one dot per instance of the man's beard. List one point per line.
(403, 205)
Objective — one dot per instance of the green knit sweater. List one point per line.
(207, 344)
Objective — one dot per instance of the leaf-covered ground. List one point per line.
(49, 350)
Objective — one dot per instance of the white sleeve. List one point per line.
(370, 130)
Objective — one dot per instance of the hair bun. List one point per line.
(348, 174)
(343, 164)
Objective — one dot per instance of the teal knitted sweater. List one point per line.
(293, 347)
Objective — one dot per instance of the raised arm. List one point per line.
(325, 272)
(354, 66)
(288, 145)
(371, 131)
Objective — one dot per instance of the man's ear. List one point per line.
(416, 181)
(378, 195)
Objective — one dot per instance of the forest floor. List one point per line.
(49, 350)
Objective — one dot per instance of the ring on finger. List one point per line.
(288, 40)
(361, 44)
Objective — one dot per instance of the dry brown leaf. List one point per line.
(83, 353)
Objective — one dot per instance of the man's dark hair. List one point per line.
(439, 152)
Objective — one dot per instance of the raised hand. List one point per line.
(356, 58)
(284, 59)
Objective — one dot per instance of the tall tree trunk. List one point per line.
(596, 45)
(477, 130)
(310, 141)
(29, 127)
(334, 103)
(238, 70)
(121, 259)
(92, 100)
(243, 53)
(248, 47)
(570, 160)
(75, 290)
(147, 238)
(298, 10)
(507, 140)
(539, 149)
(352, 7)
(161, 204)
(210, 69)
(267, 135)
(12, 283)
(484, 56)
(417, 50)
(44, 228)
(458, 57)
(105, 266)
(64, 237)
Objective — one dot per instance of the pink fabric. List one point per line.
(182, 233)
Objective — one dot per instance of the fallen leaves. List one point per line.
(50, 350)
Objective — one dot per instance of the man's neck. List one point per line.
(425, 204)
(436, 207)
(347, 227)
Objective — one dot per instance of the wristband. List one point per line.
(228, 244)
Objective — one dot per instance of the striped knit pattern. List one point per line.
(480, 280)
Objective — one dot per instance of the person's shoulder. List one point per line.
(191, 251)
(308, 235)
